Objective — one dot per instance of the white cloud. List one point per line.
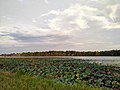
(110, 26)
(80, 17)
(54, 12)
(46, 1)
(78, 27)
(20, 0)
(113, 9)
(25, 31)
(7, 40)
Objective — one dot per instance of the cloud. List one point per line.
(53, 12)
(88, 26)
(7, 40)
(46, 1)
(25, 34)
(85, 22)
(80, 17)
(20, 0)
(114, 11)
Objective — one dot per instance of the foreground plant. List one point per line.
(19, 81)
(66, 71)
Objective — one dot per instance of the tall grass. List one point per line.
(10, 81)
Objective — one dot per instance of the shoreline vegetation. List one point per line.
(17, 81)
(67, 53)
(57, 74)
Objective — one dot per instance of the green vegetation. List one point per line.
(67, 53)
(68, 73)
(22, 81)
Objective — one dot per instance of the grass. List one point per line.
(20, 81)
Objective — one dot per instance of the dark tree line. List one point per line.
(69, 53)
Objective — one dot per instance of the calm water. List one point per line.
(97, 57)
(111, 60)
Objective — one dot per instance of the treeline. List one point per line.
(68, 53)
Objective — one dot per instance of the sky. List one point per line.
(42, 25)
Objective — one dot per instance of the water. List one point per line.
(97, 57)
(110, 60)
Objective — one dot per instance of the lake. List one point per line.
(111, 60)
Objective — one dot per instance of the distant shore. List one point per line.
(35, 56)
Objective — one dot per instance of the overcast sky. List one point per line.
(42, 25)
